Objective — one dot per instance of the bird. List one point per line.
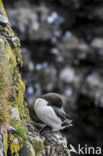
(48, 110)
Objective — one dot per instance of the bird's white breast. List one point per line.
(46, 114)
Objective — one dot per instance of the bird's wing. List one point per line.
(60, 113)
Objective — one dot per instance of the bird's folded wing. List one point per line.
(61, 114)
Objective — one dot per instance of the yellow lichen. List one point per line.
(1, 4)
(11, 58)
(15, 145)
(5, 141)
(4, 84)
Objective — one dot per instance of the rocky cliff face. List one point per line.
(11, 88)
(18, 135)
(62, 45)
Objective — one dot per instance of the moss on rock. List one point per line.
(20, 130)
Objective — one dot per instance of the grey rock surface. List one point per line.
(27, 150)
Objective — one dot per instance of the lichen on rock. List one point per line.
(11, 85)
(15, 144)
(4, 83)
(37, 144)
(5, 141)
(11, 88)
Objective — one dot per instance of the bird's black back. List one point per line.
(53, 99)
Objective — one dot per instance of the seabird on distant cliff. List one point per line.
(48, 109)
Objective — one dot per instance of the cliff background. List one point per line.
(62, 47)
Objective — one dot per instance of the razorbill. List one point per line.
(48, 109)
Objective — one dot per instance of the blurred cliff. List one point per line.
(62, 45)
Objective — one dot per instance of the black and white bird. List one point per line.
(48, 110)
